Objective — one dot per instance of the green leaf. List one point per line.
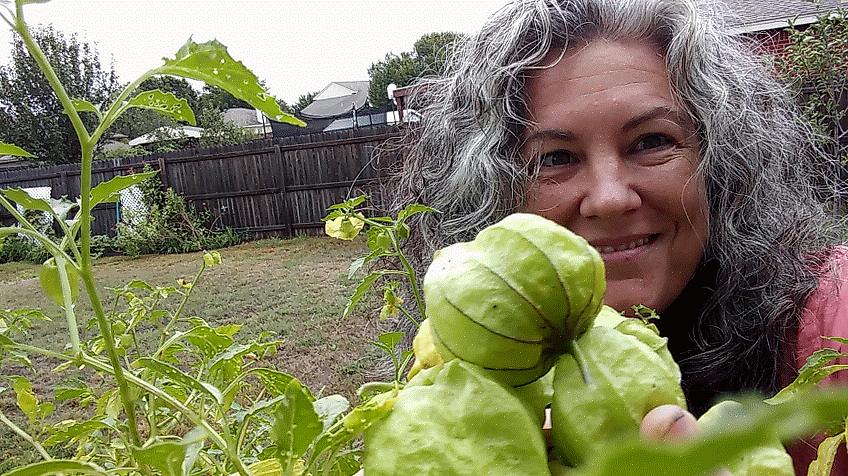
(360, 292)
(823, 463)
(349, 204)
(81, 105)
(164, 103)
(414, 209)
(12, 149)
(26, 399)
(391, 339)
(330, 408)
(58, 466)
(108, 191)
(841, 340)
(173, 458)
(815, 369)
(211, 63)
(180, 378)
(65, 433)
(22, 198)
(355, 266)
(275, 382)
(296, 424)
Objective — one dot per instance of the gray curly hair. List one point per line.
(765, 177)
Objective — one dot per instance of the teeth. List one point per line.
(628, 246)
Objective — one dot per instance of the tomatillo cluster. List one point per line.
(502, 310)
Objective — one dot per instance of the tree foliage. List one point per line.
(428, 57)
(218, 132)
(30, 114)
(303, 101)
(816, 65)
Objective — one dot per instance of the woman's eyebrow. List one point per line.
(660, 112)
(556, 134)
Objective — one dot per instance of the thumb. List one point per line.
(668, 423)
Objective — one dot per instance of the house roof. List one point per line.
(749, 16)
(337, 98)
(167, 133)
(242, 117)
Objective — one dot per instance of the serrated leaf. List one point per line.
(330, 408)
(12, 149)
(814, 370)
(58, 466)
(108, 191)
(211, 63)
(826, 453)
(22, 198)
(26, 399)
(414, 209)
(81, 105)
(841, 340)
(180, 378)
(275, 382)
(173, 458)
(66, 433)
(355, 266)
(296, 424)
(164, 103)
(360, 292)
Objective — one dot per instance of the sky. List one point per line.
(295, 46)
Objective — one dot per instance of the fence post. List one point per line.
(287, 217)
(163, 172)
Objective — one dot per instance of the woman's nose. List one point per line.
(608, 191)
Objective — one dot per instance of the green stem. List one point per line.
(178, 312)
(171, 401)
(26, 436)
(576, 352)
(51, 247)
(71, 318)
(410, 273)
(118, 107)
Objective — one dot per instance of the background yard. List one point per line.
(294, 288)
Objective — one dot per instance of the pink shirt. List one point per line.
(825, 314)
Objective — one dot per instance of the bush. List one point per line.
(170, 225)
(18, 248)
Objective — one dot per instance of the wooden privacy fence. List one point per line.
(267, 187)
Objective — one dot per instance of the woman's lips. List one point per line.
(623, 248)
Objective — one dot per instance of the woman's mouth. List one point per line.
(623, 248)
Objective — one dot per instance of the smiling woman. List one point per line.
(650, 130)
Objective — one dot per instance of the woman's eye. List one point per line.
(557, 158)
(652, 141)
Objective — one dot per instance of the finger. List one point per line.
(668, 422)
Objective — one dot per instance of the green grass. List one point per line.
(295, 288)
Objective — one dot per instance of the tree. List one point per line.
(303, 101)
(30, 114)
(429, 57)
(217, 132)
(214, 97)
(816, 65)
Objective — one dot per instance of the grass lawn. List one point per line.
(295, 288)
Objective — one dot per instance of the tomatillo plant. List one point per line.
(198, 402)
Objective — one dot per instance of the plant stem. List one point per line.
(174, 403)
(410, 273)
(73, 330)
(176, 315)
(26, 436)
(51, 247)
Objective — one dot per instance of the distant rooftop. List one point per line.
(759, 15)
(337, 98)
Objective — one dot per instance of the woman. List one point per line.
(648, 129)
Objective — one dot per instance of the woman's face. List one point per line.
(617, 160)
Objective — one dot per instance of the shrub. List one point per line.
(169, 225)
